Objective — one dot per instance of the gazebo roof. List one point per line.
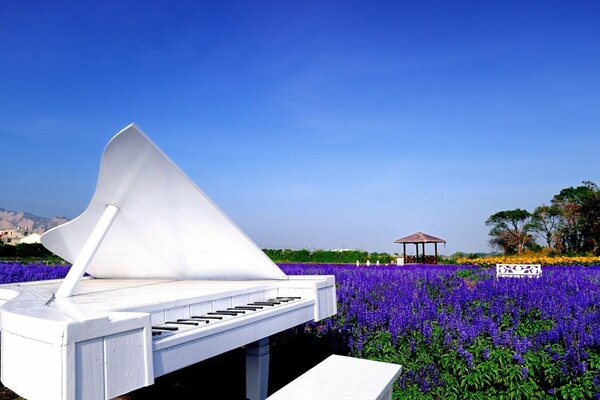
(420, 237)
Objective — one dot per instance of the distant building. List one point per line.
(33, 238)
(13, 236)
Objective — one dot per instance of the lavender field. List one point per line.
(460, 333)
(456, 330)
(16, 272)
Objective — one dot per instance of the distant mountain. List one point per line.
(10, 219)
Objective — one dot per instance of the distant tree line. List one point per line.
(570, 224)
(38, 251)
(24, 250)
(326, 256)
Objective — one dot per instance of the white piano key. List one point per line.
(221, 304)
(256, 296)
(239, 300)
(200, 308)
(270, 293)
(157, 318)
(173, 314)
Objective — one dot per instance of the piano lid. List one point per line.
(166, 227)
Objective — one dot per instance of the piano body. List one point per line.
(171, 281)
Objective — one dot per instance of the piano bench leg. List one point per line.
(257, 369)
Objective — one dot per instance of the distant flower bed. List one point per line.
(464, 334)
(16, 272)
(543, 260)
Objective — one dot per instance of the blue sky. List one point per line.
(312, 124)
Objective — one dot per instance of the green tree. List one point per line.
(7, 250)
(579, 207)
(545, 221)
(590, 210)
(510, 230)
(302, 255)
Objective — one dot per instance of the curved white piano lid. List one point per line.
(166, 227)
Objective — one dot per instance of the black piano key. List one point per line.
(155, 333)
(248, 308)
(205, 317)
(197, 320)
(165, 328)
(285, 299)
(182, 323)
(228, 313)
(290, 298)
(229, 310)
(263, 303)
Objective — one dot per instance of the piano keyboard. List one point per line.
(214, 317)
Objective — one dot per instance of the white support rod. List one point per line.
(86, 254)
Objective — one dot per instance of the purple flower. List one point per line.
(11, 272)
(430, 306)
(518, 358)
(469, 359)
(486, 354)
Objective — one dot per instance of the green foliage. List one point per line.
(7, 251)
(459, 257)
(31, 250)
(569, 225)
(479, 371)
(464, 273)
(473, 275)
(326, 256)
(439, 366)
(544, 221)
(28, 252)
(579, 230)
(510, 230)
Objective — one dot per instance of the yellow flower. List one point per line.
(530, 259)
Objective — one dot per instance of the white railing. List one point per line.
(518, 270)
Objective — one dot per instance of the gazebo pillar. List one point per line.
(417, 256)
(423, 253)
(436, 255)
(404, 252)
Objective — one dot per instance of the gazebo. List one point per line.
(416, 239)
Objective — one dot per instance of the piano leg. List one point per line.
(257, 369)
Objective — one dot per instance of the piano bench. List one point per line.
(340, 377)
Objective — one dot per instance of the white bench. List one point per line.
(518, 270)
(340, 377)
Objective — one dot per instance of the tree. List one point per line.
(545, 221)
(570, 224)
(579, 207)
(590, 210)
(510, 230)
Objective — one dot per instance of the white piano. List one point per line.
(161, 279)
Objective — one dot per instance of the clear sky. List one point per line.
(312, 124)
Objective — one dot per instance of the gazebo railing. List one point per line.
(413, 259)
